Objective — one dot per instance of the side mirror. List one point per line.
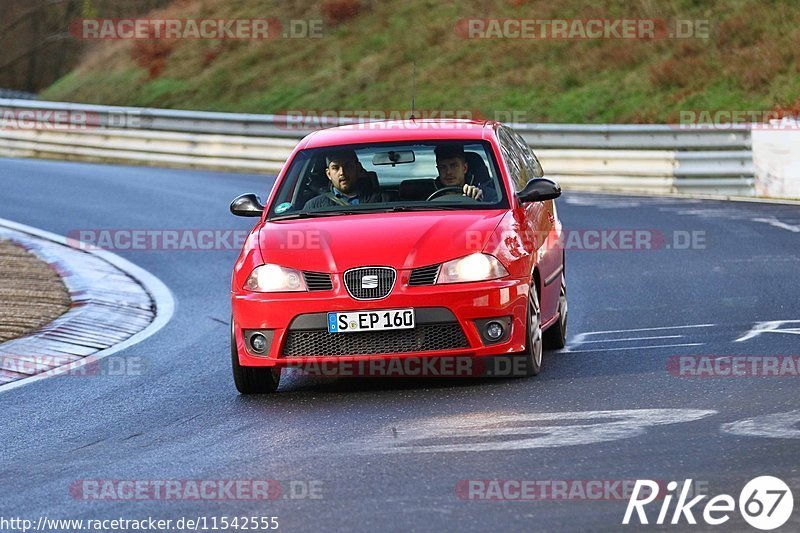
(247, 205)
(539, 190)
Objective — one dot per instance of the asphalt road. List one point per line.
(396, 454)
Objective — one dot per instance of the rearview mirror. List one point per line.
(393, 157)
(247, 205)
(539, 190)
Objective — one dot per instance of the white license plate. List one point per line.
(354, 321)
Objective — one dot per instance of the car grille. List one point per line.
(369, 283)
(424, 275)
(318, 281)
(423, 338)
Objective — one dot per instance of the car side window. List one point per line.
(528, 157)
(515, 161)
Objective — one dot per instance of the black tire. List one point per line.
(252, 380)
(555, 337)
(533, 335)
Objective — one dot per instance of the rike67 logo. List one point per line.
(765, 503)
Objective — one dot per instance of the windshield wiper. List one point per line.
(400, 208)
(385, 209)
(291, 216)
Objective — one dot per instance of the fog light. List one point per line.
(258, 342)
(494, 330)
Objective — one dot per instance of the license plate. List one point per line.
(355, 321)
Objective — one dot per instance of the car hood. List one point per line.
(400, 240)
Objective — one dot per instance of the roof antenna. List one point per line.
(413, 87)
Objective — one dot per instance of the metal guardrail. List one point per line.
(12, 93)
(648, 158)
(170, 149)
(634, 137)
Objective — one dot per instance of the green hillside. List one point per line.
(363, 61)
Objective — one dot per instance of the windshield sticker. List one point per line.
(283, 207)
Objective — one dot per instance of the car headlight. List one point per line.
(475, 267)
(275, 278)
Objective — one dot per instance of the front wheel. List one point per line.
(533, 339)
(555, 337)
(249, 379)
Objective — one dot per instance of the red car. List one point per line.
(395, 240)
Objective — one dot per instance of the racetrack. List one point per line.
(391, 453)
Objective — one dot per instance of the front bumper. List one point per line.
(441, 309)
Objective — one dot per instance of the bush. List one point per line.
(338, 11)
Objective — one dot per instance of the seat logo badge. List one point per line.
(369, 282)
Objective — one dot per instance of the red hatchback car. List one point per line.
(400, 239)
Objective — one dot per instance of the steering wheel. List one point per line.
(444, 190)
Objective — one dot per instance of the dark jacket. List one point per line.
(365, 196)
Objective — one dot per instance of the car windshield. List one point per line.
(435, 175)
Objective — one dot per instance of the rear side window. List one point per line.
(528, 157)
(514, 160)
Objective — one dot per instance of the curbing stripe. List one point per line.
(157, 290)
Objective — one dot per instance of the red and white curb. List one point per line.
(115, 304)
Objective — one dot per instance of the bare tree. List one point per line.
(36, 47)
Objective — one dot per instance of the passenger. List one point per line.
(451, 163)
(349, 183)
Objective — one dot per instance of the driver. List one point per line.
(349, 184)
(452, 166)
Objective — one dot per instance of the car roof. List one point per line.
(401, 130)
